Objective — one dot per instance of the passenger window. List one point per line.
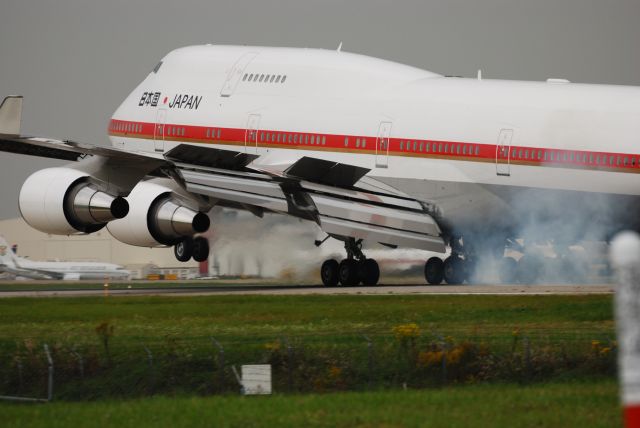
(261, 78)
(245, 77)
(272, 78)
(458, 149)
(626, 161)
(266, 79)
(295, 138)
(283, 79)
(290, 138)
(358, 142)
(477, 150)
(306, 139)
(591, 158)
(208, 132)
(278, 78)
(250, 77)
(346, 141)
(255, 78)
(324, 140)
(539, 154)
(426, 147)
(364, 143)
(313, 138)
(440, 147)
(401, 145)
(268, 137)
(219, 132)
(446, 148)
(526, 154)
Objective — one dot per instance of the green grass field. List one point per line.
(577, 404)
(510, 360)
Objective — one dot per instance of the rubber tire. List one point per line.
(453, 270)
(434, 271)
(200, 249)
(508, 270)
(183, 250)
(368, 272)
(348, 273)
(530, 269)
(329, 273)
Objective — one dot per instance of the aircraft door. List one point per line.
(382, 145)
(503, 152)
(234, 76)
(158, 132)
(251, 134)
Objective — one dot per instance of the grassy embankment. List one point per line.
(315, 343)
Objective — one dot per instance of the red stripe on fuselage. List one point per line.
(450, 150)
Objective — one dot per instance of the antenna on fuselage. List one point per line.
(339, 47)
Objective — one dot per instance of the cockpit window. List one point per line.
(157, 67)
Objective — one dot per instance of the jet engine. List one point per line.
(66, 201)
(160, 216)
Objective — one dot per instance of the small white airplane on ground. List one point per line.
(20, 267)
(365, 148)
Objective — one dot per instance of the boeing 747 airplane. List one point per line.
(367, 149)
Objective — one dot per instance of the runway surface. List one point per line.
(189, 289)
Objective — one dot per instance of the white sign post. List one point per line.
(256, 379)
(625, 257)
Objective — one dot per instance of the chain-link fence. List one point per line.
(407, 358)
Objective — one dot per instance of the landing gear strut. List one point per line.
(353, 270)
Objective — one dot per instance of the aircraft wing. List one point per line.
(11, 140)
(30, 273)
(338, 197)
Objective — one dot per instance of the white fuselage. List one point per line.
(487, 152)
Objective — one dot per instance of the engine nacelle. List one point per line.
(159, 216)
(65, 201)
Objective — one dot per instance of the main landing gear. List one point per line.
(355, 269)
(454, 269)
(198, 248)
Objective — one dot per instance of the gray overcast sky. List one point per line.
(75, 60)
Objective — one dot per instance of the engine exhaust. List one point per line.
(87, 206)
(170, 221)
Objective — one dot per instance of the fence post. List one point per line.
(220, 362)
(289, 364)
(527, 357)
(444, 363)
(370, 360)
(50, 383)
(80, 361)
(20, 378)
(152, 380)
